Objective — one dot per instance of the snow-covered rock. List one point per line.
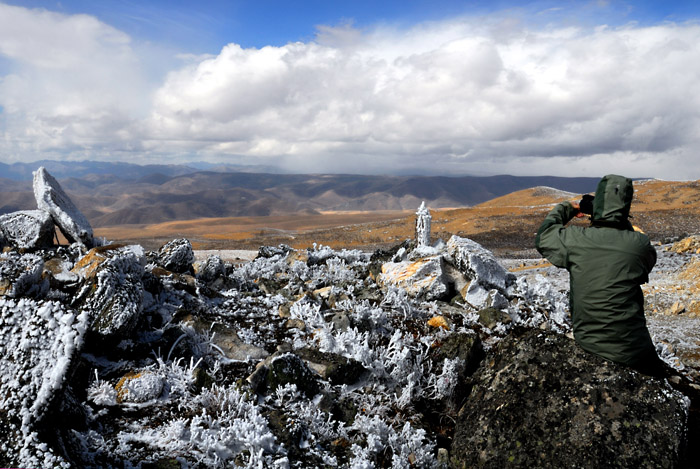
(176, 256)
(20, 275)
(139, 387)
(28, 229)
(51, 198)
(210, 269)
(422, 278)
(38, 341)
(479, 264)
(423, 220)
(113, 293)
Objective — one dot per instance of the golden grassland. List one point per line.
(661, 208)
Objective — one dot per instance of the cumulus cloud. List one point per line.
(71, 85)
(460, 96)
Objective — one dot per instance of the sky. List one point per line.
(434, 87)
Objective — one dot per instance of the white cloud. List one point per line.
(460, 96)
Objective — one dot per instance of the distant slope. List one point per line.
(119, 193)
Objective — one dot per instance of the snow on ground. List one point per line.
(231, 255)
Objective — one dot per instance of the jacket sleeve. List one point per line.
(550, 240)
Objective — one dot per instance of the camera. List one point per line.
(586, 204)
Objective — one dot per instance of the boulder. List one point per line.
(176, 256)
(20, 275)
(139, 387)
(540, 400)
(51, 198)
(479, 264)
(38, 342)
(423, 278)
(113, 291)
(281, 369)
(335, 368)
(211, 269)
(28, 229)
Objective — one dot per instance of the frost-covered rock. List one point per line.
(51, 198)
(423, 220)
(113, 292)
(479, 264)
(284, 369)
(139, 387)
(28, 229)
(38, 341)
(540, 400)
(423, 278)
(176, 256)
(20, 275)
(211, 269)
(478, 297)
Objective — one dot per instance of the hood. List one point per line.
(613, 199)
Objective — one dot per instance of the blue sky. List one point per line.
(441, 87)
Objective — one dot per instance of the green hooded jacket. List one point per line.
(607, 262)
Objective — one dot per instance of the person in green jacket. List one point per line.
(607, 262)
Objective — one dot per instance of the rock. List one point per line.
(491, 317)
(113, 291)
(335, 368)
(226, 340)
(281, 369)
(51, 198)
(210, 269)
(29, 229)
(38, 343)
(59, 274)
(422, 278)
(271, 251)
(176, 256)
(20, 275)
(480, 298)
(139, 387)
(539, 400)
(423, 220)
(479, 264)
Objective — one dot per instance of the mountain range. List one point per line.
(112, 194)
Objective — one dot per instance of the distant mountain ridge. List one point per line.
(122, 193)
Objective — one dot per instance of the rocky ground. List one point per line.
(416, 355)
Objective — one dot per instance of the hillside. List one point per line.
(119, 194)
(506, 224)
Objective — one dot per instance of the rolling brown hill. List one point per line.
(506, 224)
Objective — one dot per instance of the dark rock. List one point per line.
(176, 256)
(51, 198)
(331, 366)
(29, 229)
(211, 269)
(490, 317)
(271, 251)
(541, 401)
(281, 369)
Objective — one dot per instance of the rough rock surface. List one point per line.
(114, 295)
(479, 264)
(422, 278)
(20, 275)
(51, 198)
(28, 229)
(176, 256)
(344, 373)
(38, 341)
(540, 400)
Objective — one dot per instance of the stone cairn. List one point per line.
(423, 219)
